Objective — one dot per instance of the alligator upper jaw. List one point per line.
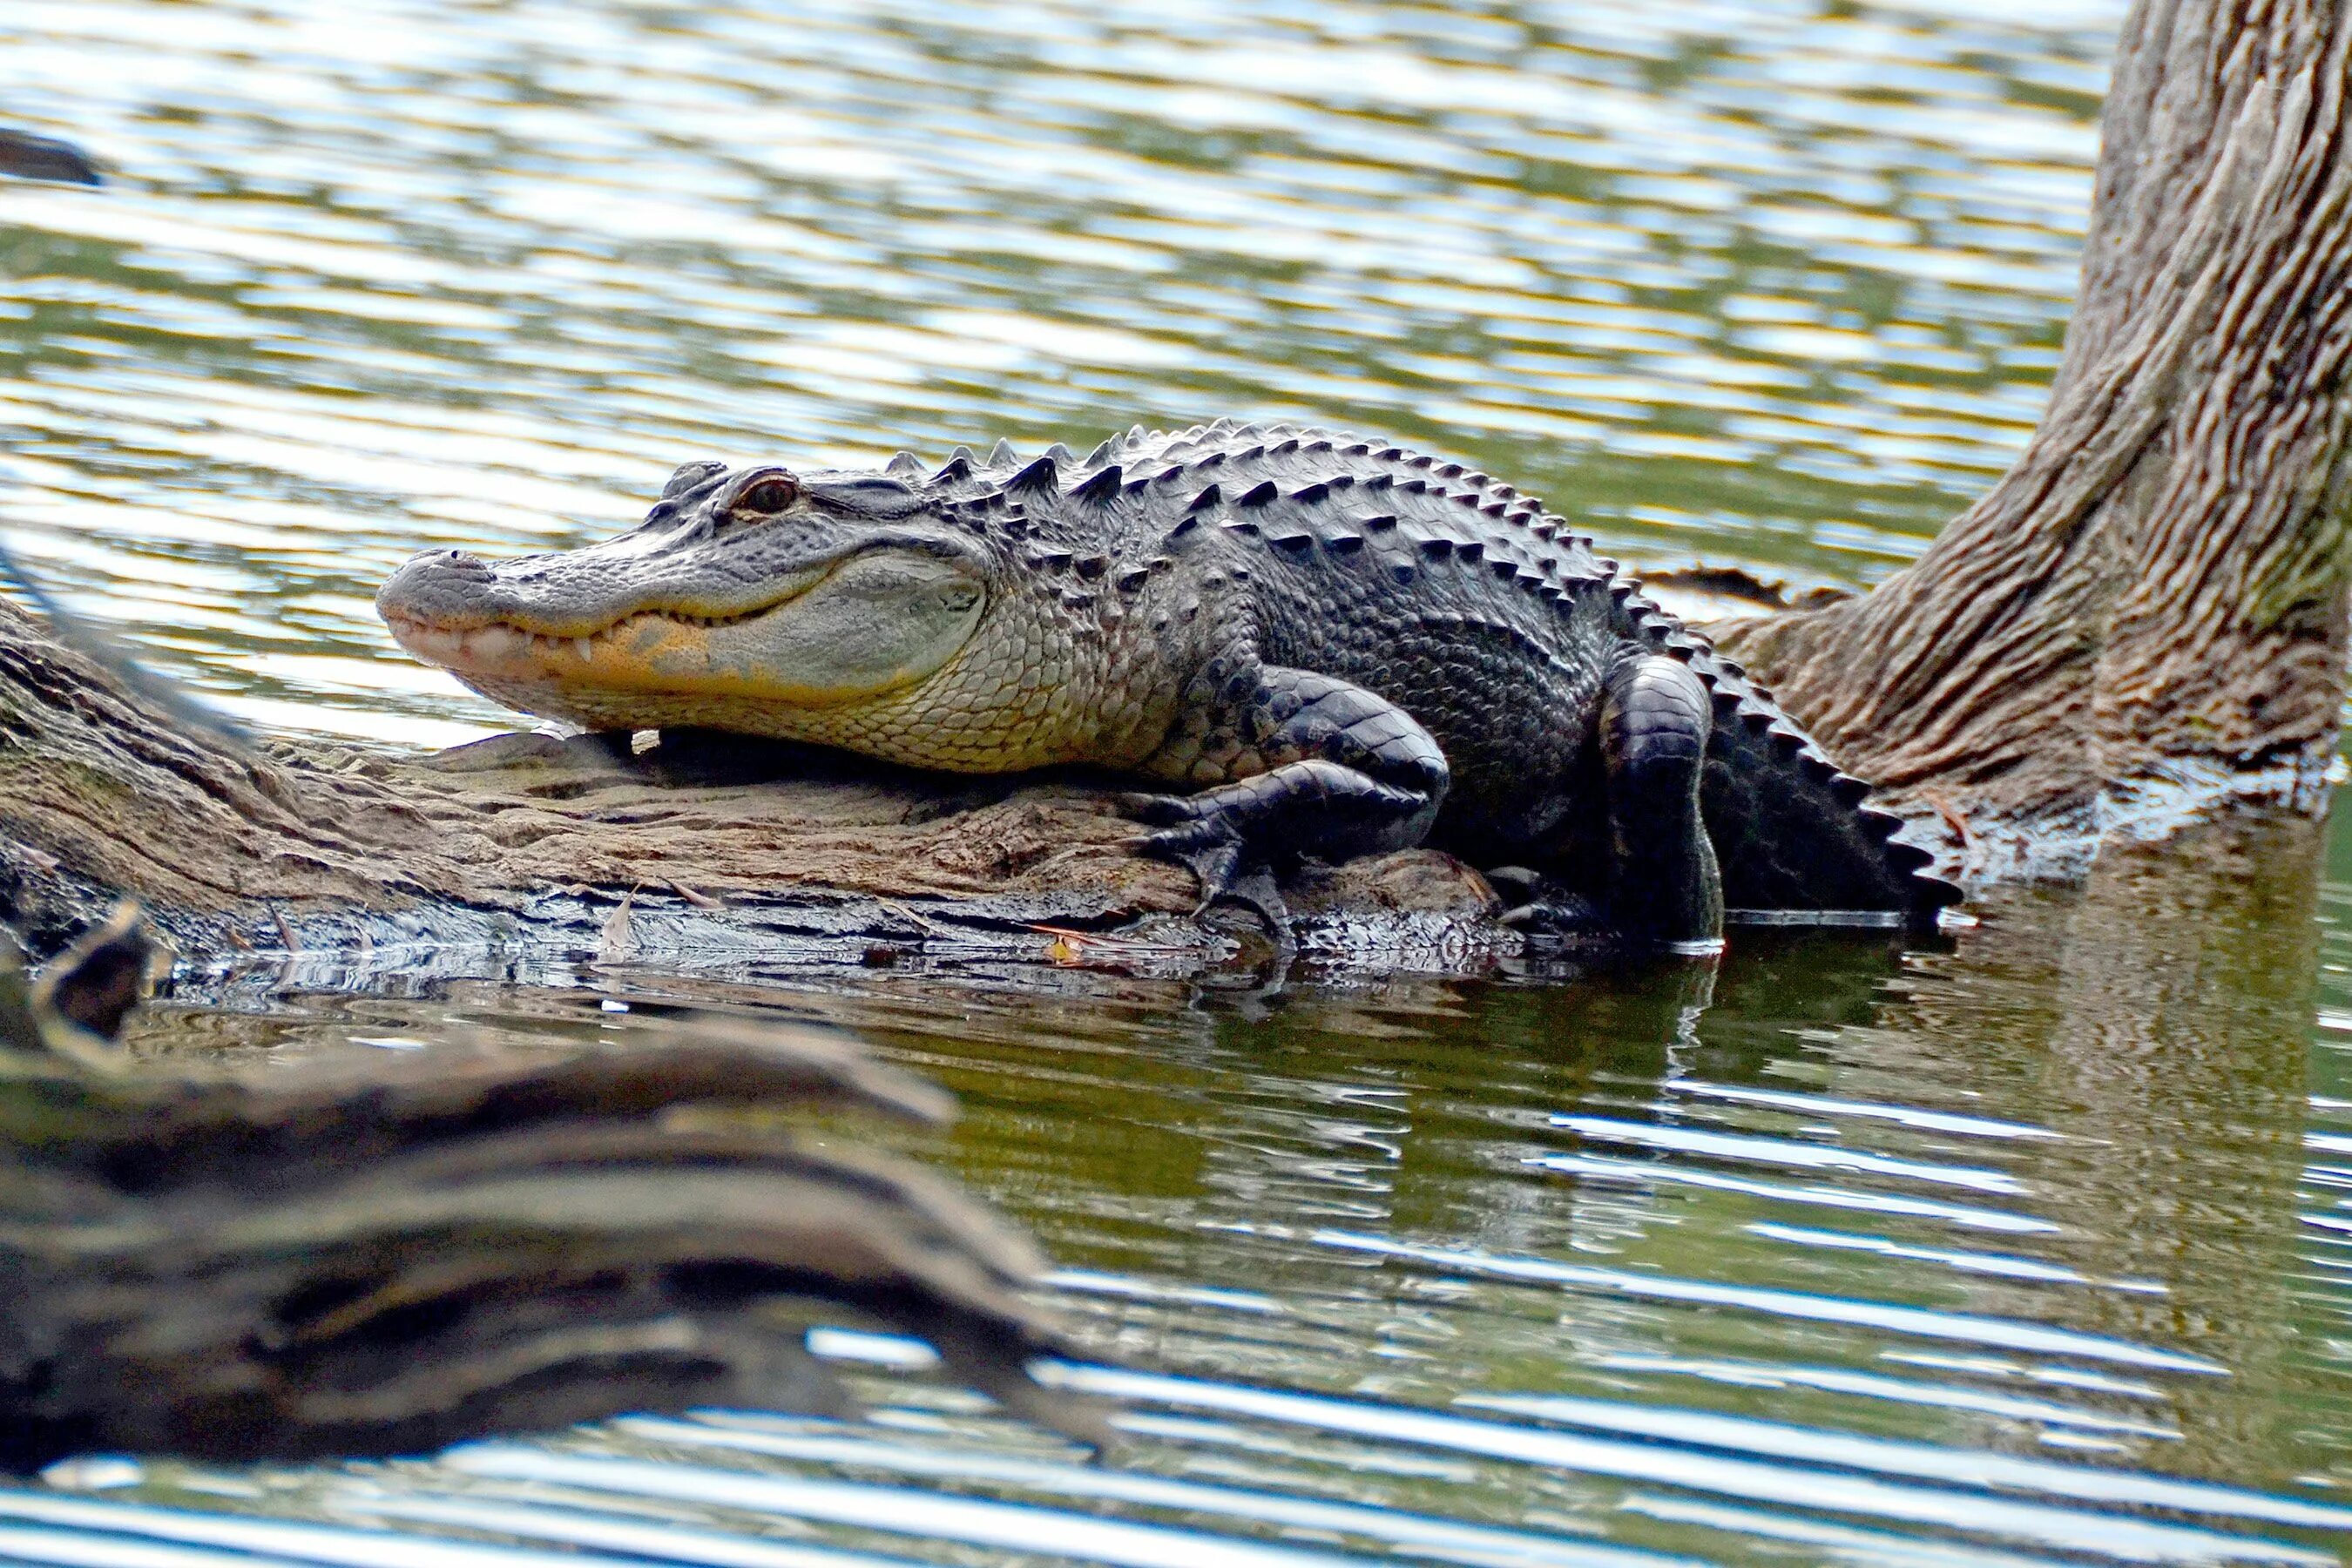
(504, 649)
(496, 646)
(452, 612)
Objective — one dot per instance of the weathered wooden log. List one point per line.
(525, 838)
(347, 1260)
(2147, 616)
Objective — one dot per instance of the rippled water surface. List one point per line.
(1735, 280)
(2034, 1246)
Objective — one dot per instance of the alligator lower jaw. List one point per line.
(503, 649)
(485, 646)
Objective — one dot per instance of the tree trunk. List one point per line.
(2147, 612)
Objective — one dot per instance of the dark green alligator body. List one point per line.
(1332, 645)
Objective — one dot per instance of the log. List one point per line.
(524, 839)
(384, 1258)
(2145, 619)
(26, 156)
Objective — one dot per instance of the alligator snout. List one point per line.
(435, 587)
(451, 594)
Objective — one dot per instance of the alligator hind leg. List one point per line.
(1297, 765)
(1664, 884)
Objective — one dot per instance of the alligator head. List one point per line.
(837, 607)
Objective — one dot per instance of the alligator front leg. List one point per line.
(1297, 765)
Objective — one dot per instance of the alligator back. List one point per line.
(1791, 831)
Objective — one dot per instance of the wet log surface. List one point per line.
(391, 1256)
(699, 842)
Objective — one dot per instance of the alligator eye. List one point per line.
(771, 494)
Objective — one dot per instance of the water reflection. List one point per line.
(2173, 1053)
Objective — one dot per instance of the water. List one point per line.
(1749, 281)
(2030, 1246)
(2035, 1245)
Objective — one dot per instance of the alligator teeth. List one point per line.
(489, 642)
(585, 648)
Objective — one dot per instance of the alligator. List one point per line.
(1319, 644)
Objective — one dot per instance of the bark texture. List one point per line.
(2148, 609)
(387, 1258)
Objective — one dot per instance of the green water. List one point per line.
(2031, 1245)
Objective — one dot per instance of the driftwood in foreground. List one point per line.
(2149, 611)
(389, 1259)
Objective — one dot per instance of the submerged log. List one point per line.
(2147, 616)
(26, 156)
(391, 1257)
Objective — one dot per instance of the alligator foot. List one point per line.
(1664, 889)
(1307, 807)
(1215, 852)
(1538, 906)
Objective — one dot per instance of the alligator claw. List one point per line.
(1535, 903)
(1253, 891)
(1559, 914)
(1160, 810)
(1214, 856)
(1515, 885)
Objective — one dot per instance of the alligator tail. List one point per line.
(1791, 831)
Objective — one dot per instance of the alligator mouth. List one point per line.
(843, 630)
(505, 648)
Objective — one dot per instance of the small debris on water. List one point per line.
(616, 940)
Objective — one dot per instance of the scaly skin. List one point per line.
(1338, 644)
